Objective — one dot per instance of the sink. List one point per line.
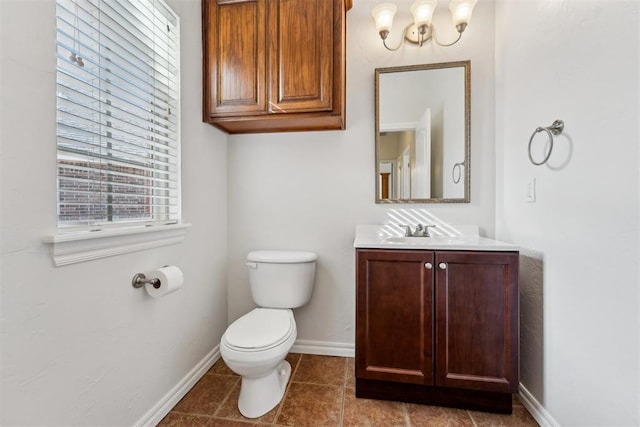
(381, 237)
(419, 241)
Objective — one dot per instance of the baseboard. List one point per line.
(534, 407)
(324, 348)
(168, 401)
(162, 408)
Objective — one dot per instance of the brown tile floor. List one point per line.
(320, 393)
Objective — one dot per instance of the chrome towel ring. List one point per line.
(555, 129)
(457, 166)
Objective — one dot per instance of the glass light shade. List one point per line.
(461, 11)
(383, 15)
(422, 11)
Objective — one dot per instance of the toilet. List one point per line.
(256, 344)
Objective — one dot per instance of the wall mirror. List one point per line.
(422, 133)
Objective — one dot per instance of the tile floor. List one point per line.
(320, 393)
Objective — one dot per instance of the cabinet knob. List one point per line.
(428, 266)
(442, 266)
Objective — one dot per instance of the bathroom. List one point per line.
(80, 346)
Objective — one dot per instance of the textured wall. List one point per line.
(577, 61)
(80, 345)
(309, 190)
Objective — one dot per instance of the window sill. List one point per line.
(80, 246)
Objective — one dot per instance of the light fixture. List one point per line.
(421, 29)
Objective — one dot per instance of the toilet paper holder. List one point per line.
(139, 280)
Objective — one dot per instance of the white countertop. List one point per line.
(451, 238)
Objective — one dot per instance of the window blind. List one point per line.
(117, 112)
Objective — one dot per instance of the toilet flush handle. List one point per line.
(252, 264)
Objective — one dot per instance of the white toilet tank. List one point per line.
(281, 279)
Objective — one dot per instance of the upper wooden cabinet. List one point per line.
(274, 65)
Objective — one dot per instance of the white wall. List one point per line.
(573, 60)
(283, 196)
(80, 345)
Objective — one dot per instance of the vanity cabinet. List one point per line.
(437, 327)
(274, 65)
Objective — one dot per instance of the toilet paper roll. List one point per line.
(171, 280)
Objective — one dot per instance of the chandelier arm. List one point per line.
(402, 39)
(384, 42)
(435, 38)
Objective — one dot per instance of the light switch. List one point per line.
(531, 190)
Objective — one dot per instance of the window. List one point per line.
(118, 133)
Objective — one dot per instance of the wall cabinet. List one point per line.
(274, 65)
(438, 327)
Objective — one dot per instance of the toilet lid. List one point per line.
(281, 257)
(260, 329)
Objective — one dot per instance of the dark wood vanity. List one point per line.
(437, 327)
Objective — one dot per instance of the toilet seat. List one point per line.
(259, 330)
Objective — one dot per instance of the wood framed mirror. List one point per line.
(423, 133)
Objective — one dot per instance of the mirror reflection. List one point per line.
(422, 133)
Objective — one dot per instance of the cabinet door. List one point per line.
(235, 81)
(394, 316)
(300, 38)
(477, 320)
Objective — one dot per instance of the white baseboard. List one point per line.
(324, 348)
(534, 407)
(168, 401)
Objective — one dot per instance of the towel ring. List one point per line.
(457, 166)
(555, 129)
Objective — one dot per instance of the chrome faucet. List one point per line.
(407, 229)
(420, 231)
(425, 233)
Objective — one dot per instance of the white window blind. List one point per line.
(117, 112)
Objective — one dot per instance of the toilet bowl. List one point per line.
(256, 344)
(254, 347)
